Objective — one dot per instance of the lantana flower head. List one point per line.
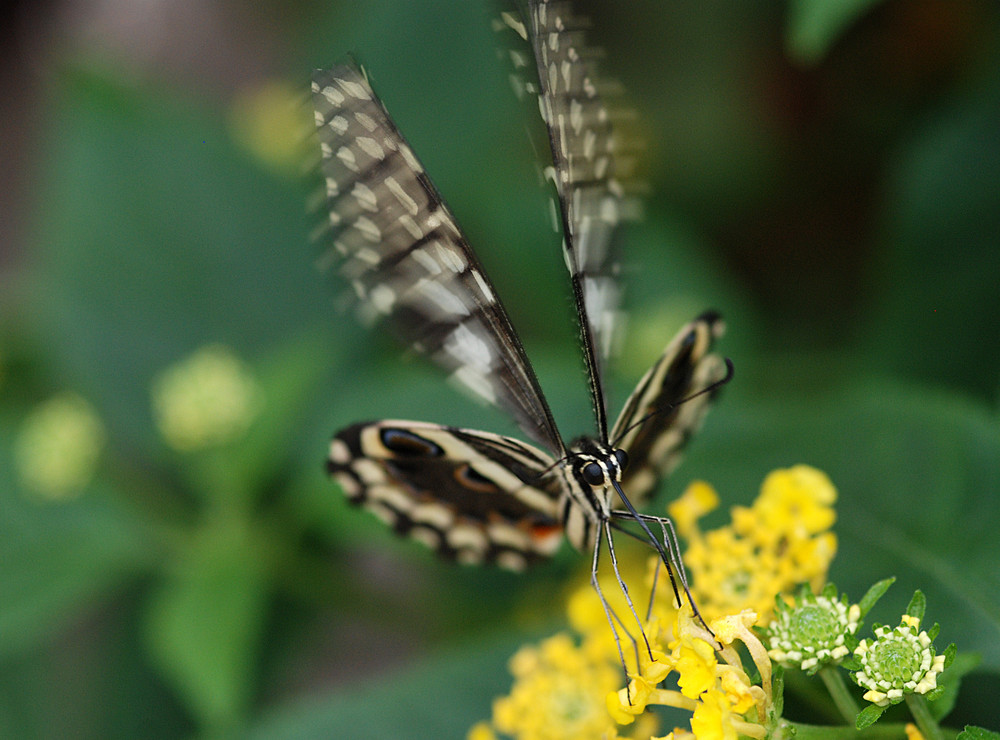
(813, 631)
(897, 662)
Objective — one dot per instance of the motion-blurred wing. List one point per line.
(396, 243)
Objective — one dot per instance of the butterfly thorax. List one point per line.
(591, 471)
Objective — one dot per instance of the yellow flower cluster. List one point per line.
(208, 399)
(723, 701)
(58, 447)
(559, 690)
(771, 547)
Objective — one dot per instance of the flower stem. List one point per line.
(833, 679)
(929, 727)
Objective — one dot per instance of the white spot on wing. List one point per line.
(368, 229)
(483, 286)
(333, 96)
(370, 147)
(476, 382)
(346, 156)
(382, 298)
(365, 197)
(468, 347)
(452, 258)
(511, 560)
(393, 186)
(355, 89)
(426, 261)
(426, 536)
(449, 303)
(411, 226)
(433, 514)
(339, 124)
(467, 537)
(365, 120)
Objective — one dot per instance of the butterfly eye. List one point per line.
(622, 457)
(593, 474)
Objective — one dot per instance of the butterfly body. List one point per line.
(479, 497)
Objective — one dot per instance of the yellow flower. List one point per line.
(58, 445)
(558, 693)
(697, 500)
(206, 400)
(769, 548)
(271, 123)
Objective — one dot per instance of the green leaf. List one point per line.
(950, 682)
(288, 378)
(868, 716)
(158, 235)
(441, 697)
(918, 605)
(815, 25)
(876, 592)
(939, 318)
(56, 556)
(778, 690)
(203, 625)
(977, 733)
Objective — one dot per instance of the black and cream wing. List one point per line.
(395, 242)
(654, 426)
(591, 164)
(471, 496)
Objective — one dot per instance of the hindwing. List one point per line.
(471, 496)
(664, 411)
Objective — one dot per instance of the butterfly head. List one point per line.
(599, 465)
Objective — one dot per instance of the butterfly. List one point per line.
(475, 496)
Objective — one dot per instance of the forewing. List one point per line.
(592, 162)
(471, 496)
(397, 244)
(654, 426)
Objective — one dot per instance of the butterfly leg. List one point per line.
(609, 612)
(670, 555)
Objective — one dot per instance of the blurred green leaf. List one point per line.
(978, 733)
(160, 236)
(951, 681)
(56, 556)
(919, 481)
(939, 318)
(288, 379)
(204, 623)
(815, 25)
(234, 473)
(440, 697)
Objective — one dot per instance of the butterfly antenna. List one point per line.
(711, 388)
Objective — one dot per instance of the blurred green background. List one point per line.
(825, 174)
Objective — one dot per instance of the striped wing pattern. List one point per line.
(395, 241)
(472, 496)
(590, 165)
(655, 425)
